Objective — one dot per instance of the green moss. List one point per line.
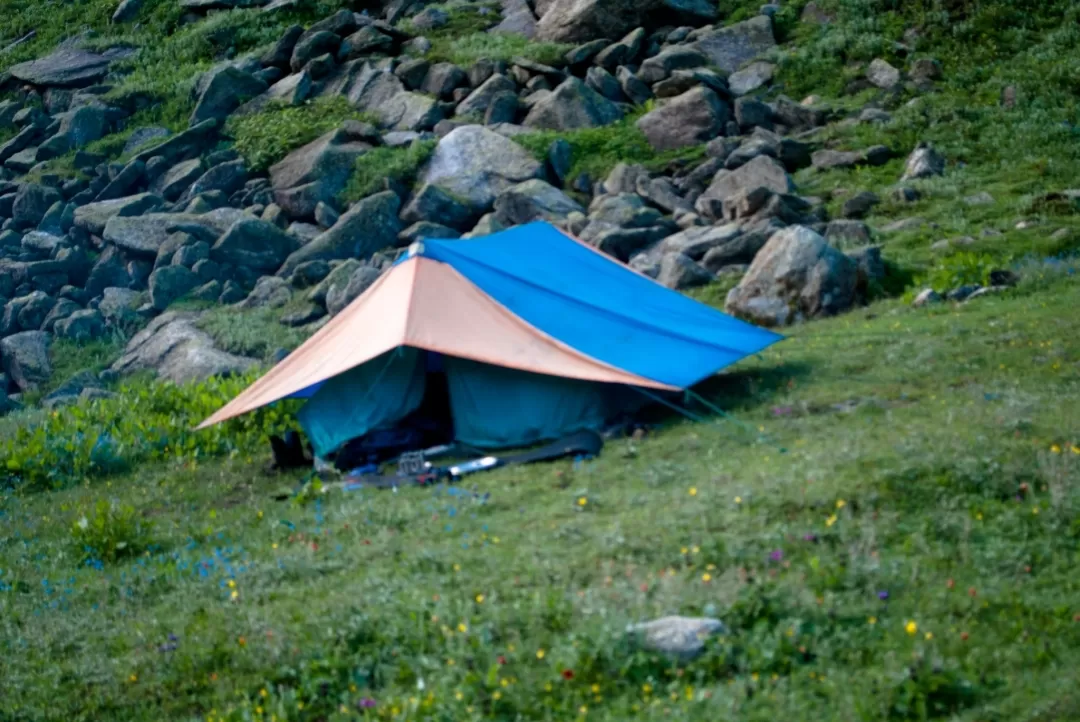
(400, 165)
(266, 137)
(257, 333)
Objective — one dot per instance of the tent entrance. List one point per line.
(410, 399)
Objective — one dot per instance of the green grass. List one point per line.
(466, 39)
(268, 136)
(925, 454)
(398, 165)
(257, 333)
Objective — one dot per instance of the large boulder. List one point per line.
(477, 102)
(93, 216)
(169, 283)
(369, 226)
(476, 165)
(24, 357)
(253, 243)
(319, 171)
(730, 47)
(227, 90)
(382, 94)
(571, 106)
(32, 202)
(437, 205)
(143, 236)
(680, 638)
(172, 184)
(84, 125)
(573, 21)
(797, 275)
(341, 295)
(534, 200)
(177, 350)
(83, 325)
(695, 117)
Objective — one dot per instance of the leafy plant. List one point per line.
(110, 531)
(267, 137)
(398, 165)
(961, 269)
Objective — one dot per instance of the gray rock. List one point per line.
(172, 184)
(369, 226)
(678, 271)
(571, 106)
(475, 164)
(426, 229)
(312, 45)
(633, 87)
(32, 202)
(84, 125)
(695, 243)
(730, 47)
(883, 75)
(797, 275)
(682, 638)
(225, 177)
(269, 292)
(169, 283)
(847, 233)
(320, 169)
(182, 146)
(435, 204)
(310, 313)
(755, 75)
(927, 297)
(25, 359)
(487, 225)
(503, 108)
(859, 205)
(762, 171)
(518, 19)
(338, 276)
(604, 83)
(443, 79)
(367, 40)
(66, 68)
(227, 89)
(40, 243)
(570, 21)
(534, 200)
(982, 198)
(144, 136)
(177, 350)
(694, 117)
(118, 306)
(309, 274)
(476, 103)
(824, 160)
(82, 325)
(231, 292)
(430, 18)
(255, 244)
(924, 162)
(143, 236)
(32, 310)
(340, 296)
(661, 66)
(127, 11)
(93, 216)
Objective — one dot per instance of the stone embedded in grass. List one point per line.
(924, 162)
(682, 638)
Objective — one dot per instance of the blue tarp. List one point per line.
(600, 307)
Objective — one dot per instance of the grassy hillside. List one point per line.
(887, 518)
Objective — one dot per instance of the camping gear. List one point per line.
(535, 334)
(583, 443)
(288, 453)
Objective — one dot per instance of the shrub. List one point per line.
(398, 165)
(961, 269)
(110, 531)
(146, 421)
(267, 137)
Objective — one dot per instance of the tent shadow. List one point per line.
(749, 389)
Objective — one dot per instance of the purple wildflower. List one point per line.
(883, 595)
(366, 703)
(810, 537)
(776, 555)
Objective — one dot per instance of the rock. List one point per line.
(824, 160)
(227, 89)
(309, 274)
(797, 275)
(169, 283)
(430, 18)
(570, 21)
(762, 171)
(571, 106)
(143, 236)
(753, 76)
(633, 87)
(925, 69)
(661, 192)
(797, 116)
(338, 276)
(255, 244)
(730, 47)
(426, 229)
(25, 359)
(145, 136)
(178, 351)
(677, 271)
(813, 13)
(367, 40)
(963, 293)
(292, 90)
(981, 198)
(32, 202)
(312, 45)
(32, 310)
(369, 226)
(682, 638)
(435, 204)
(697, 116)
(226, 178)
(231, 292)
(182, 146)
(860, 205)
(518, 19)
(442, 79)
(94, 216)
(924, 162)
(310, 313)
(697, 242)
(534, 200)
(476, 103)
(926, 297)
(82, 325)
(340, 296)
(475, 165)
(661, 66)
(883, 75)
(604, 83)
(847, 233)
(269, 292)
(66, 68)
(320, 170)
(502, 109)
(172, 184)
(281, 52)
(83, 126)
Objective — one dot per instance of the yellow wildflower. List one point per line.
(693, 491)
(840, 503)
(872, 620)
(479, 598)
(462, 628)
(1055, 449)
(582, 501)
(911, 627)
(831, 520)
(706, 577)
(738, 500)
(539, 654)
(929, 636)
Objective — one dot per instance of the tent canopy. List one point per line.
(541, 306)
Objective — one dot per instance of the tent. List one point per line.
(536, 335)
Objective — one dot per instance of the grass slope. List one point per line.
(889, 529)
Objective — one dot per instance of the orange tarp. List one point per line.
(427, 305)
